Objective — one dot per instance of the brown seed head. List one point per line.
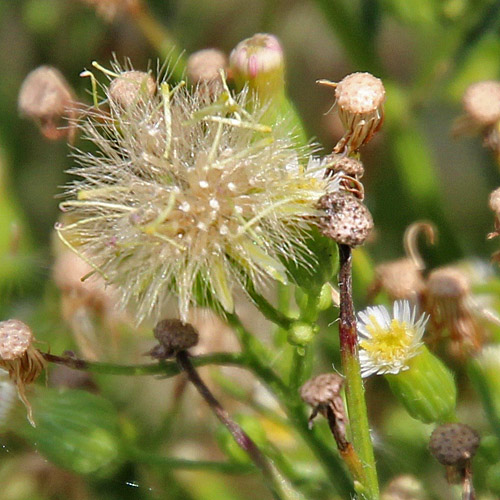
(15, 338)
(454, 444)
(173, 336)
(131, 87)
(346, 164)
(481, 102)
(400, 279)
(204, 66)
(323, 390)
(448, 283)
(347, 220)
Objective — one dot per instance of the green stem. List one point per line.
(161, 40)
(294, 408)
(164, 368)
(355, 392)
(268, 310)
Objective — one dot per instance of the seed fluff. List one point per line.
(187, 195)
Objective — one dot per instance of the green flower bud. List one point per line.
(75, 430)
(301, 334)
(427, 389)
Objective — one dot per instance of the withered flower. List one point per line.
(19, 357)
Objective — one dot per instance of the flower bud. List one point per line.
(173, 336)
(360, 104)
(46, 98)
(347, 220)
(426, 389)
(454, 444)
(75, 430)
(18, 356)
(204, 67)
(259, 63)
(494, 203)
(301, 334)
(131, 88)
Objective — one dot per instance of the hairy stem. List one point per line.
(355, 393)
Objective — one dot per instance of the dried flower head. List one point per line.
(189, 196)
(173, 336)
(452, 309)
(454, 443)
(387, 344)
(337, 163)
(18, 356)
(46, 97)
(401, 279)
(345, 218)
(360, 104)
(204, 68)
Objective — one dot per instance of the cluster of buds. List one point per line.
(19, 358)
(481, 104)
(47, 98)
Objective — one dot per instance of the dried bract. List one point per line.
(449, 302)
(18, 356)
(336, 163)
(46, 97)
(346, 219)
(173, 336)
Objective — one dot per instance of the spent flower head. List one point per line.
(387, 344)
(188, 195)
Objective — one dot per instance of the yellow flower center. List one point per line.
(388, 344)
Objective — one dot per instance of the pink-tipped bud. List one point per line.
(46, 98)
(258, 62)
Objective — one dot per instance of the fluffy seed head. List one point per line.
(322, 390)
(130, 87)
(45, 97)
(189, 196)
(346, 219)
(360, 103)
(481, 102)
(454, 444)
(173, 336)
(388, 343)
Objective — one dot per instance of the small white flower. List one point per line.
(388, 343)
